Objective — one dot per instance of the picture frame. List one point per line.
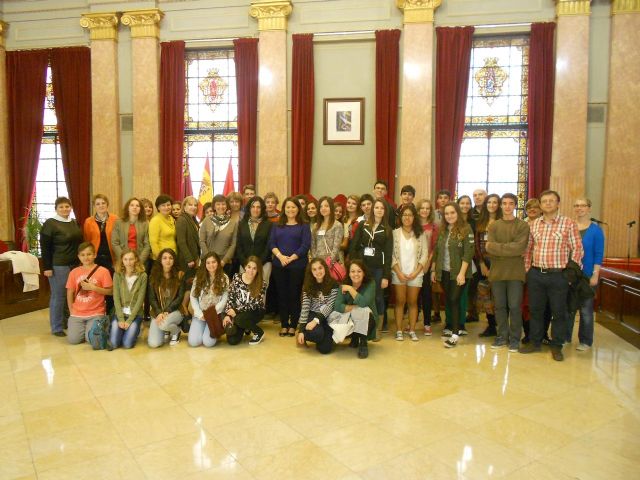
(343, 121)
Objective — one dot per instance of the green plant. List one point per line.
(32, 232)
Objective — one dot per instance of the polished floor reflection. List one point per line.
(412, 410)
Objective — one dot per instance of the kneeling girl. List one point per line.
(210, 289)
(166, 292)
(319, 292)
(245, 307)
(129, 290)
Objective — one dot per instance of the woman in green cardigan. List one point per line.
(129, 289)
(359, 292)
(452, 257)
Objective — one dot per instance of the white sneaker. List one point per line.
(427, 331)
(413, 336)
(583, 347)
(446, 332)
(175, 339)
(451, 341)
(399, 336)
(463, 332)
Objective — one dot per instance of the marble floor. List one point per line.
(274, 411)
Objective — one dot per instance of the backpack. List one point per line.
(99, 334)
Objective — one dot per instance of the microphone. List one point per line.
(598, 221)
(631, 223)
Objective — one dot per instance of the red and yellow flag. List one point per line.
(206, 188)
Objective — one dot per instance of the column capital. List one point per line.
(143, 23)
(3, 29)
(271, 15)
(102, 26)
(573, 7)
(625, 6)
(418, 11)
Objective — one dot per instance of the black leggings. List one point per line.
(452, 292)
(289, 284)
(244, 321)
(321, 334)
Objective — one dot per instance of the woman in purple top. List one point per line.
(289, 242)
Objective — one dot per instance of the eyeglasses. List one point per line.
(580, 205)
(407, 215)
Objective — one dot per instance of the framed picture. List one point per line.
(343, 121)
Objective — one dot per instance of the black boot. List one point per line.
(363, 349)
(490, 331)
(354, 340)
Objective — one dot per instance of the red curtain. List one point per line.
(172, 93)
(302, 110)
(540, 105)
(26, 88)
(387, 79)
(71, 78)
(452, 81)
(246, 58)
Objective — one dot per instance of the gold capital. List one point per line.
(3, 28)
(418, 11)
(573, 7)
(143, 23)
(271, 15)
(625, 6)
(102, 26)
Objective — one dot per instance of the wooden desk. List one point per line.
(12, 300)
(619, 303)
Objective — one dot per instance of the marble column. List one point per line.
(621, 195)
(145, 56)
(106, 176)
(6, 220)
(568, 160)
(272, 158)
(415, 163)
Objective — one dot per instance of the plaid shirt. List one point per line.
(551, 244)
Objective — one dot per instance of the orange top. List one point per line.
(91, 231)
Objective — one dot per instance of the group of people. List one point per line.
(329, 268)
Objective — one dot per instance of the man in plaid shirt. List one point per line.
(553, 241)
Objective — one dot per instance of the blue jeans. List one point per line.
(507, 296)
(199, 333)
(171, 324)
(125, 338)
(58, 287)
(585, 330)
(549, 287)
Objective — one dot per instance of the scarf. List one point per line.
(220, 221)
(253, 226)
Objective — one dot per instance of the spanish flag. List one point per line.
(206, 189)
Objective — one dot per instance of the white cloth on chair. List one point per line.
(27, 265)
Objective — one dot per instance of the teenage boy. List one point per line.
(442, 198)
(507, 241)
(86, 287)
(554, 240)
(407, 195)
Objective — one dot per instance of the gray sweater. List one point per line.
(223, 242)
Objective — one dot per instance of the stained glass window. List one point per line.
(50, 182)
(494, 146)
(211, 116)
